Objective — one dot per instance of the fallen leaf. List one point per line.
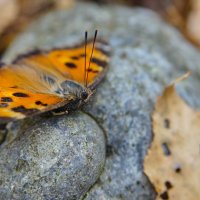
(17, 14)
(173, 160)
(8, 12)
(193, 21)
(31, 8)
(64, 4)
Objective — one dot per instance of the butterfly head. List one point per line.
(76, 91)
(85, 94)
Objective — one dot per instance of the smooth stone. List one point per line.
(58, 158)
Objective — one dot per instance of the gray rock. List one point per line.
(59, 158)
(147, 55)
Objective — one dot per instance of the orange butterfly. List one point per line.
(60, 80)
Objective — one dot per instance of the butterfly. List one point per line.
(58, 80)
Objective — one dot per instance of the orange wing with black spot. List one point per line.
(70, 62)
(17, 103)
(28, 86)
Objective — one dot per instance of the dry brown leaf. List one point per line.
(193, 20)
(8, 12)
(27, 11)
(173, 160)
(63, 4)
(30, 8)
(18, 14)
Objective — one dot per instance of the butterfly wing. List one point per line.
(69, 63)
(29, 78)
(18, 103)
(25, 92)
(29, 85)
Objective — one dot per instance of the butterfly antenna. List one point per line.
(95, 35)
(85, 57)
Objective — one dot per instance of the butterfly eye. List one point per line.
(84, 95)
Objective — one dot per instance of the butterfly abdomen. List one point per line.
(72, 105)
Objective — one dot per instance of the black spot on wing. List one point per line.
(14, 86)
(99, 62)
(3, 105)
(6, 99)
(93, 71)
(74, 57)
(20, 94)
(40, 103)
(70, 65)
(25, 111)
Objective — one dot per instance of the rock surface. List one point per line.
(59, 158)
(147, 55)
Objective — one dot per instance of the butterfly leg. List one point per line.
(59, 113)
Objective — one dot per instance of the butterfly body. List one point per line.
(75, 95)
(53, 80)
